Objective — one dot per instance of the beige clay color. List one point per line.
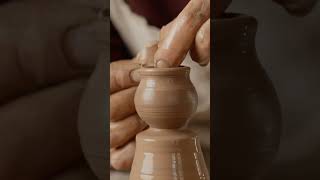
(165, 100)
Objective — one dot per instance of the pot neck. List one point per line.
(234, 35)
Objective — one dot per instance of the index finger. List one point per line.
(178, 39)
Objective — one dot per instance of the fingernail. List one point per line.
(135, 75)
(162, 64)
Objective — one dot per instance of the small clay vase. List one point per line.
(247, 112)
(166, 99)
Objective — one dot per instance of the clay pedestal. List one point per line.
(166, 99)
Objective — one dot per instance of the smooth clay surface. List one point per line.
(168, 155)
(166, 99)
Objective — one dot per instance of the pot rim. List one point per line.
(234, 17)
(172, 71)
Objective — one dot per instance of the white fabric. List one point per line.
(133, 29)
(136, 33)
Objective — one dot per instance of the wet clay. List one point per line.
(146, 56)
(166, 99)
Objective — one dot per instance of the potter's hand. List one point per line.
(190, 30)
(44, 66)
(124, 121)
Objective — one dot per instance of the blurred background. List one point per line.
(289, 49)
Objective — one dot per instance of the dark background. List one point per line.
(289, 49)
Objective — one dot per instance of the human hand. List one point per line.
(190, 30)
(124, 121)
(45, 61)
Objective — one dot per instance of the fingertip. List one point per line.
(165, 57)
(161, 63)
(135, 75)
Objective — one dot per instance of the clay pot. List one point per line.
(165, 97)
(247, 113)
(166, 154)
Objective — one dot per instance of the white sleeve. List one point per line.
(133, 29)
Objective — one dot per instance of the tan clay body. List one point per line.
(166, 99)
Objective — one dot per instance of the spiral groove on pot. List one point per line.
(166, 98)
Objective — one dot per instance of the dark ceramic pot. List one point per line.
(247, 113)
